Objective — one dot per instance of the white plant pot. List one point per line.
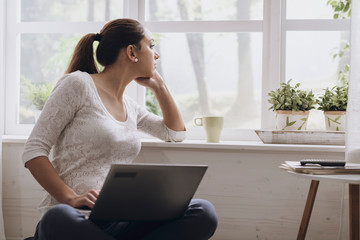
(289, 120)
(335, 120)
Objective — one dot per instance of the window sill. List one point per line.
(223, 145)
(241, 145)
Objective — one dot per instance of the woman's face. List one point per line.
(147, 56)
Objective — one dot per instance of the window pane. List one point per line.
(44, 59)
(310, 61)
(213, 74)
(197, 10)
(71, 10)
(308, 9)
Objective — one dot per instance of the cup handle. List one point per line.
(197, 123)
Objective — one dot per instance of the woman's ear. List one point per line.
(130, 53)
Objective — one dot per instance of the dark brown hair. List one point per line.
(114, 36)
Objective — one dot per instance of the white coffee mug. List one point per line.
(213, 126)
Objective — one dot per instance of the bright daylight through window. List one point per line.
(216, 56)
(316, 58)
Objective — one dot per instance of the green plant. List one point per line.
(288, 97)
(343, 75)
(342, 8)
(334, 99)
(36, 93)
(342, 51)
(151, 103)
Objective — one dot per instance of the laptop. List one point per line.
(146, 192)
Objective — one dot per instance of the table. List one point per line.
(353, 180)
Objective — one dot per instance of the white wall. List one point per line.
(253, 197)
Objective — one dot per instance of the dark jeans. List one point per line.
(63, 222)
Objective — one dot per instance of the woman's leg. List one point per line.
(198, 223)
(64, 222)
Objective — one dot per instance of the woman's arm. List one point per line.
(44, 172)
(171, 114)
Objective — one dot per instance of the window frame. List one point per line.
(273, 27)
(2, 68)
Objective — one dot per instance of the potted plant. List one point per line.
(334, 103)
(291, 106)
(36, 94)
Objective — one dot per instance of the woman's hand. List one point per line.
(44, 172)
(153, 82)
(87, 199)
(171, 114)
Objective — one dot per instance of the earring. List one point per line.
(136, 60)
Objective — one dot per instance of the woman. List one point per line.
(89, 123)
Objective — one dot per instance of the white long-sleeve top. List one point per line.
(85, 137)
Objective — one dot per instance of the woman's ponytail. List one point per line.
(83, 56)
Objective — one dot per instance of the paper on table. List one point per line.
(295, 166)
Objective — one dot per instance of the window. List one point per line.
(313, 37)
(223, 68)
(217, 57)
(70, 10)
(40, 38)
